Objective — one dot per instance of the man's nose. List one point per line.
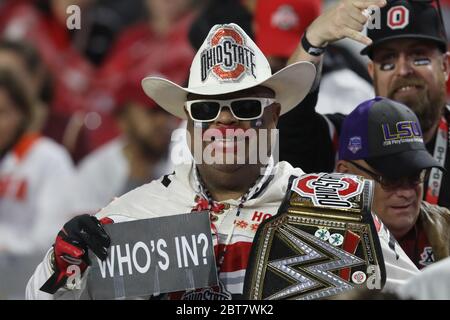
(226, 117)
(404, 66)
(406, 190)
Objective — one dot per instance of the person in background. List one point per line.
(24, 60)
(157, 45)
(382, 140)
(31, 169)
(80, 111)
(139, 155)
(42, 25)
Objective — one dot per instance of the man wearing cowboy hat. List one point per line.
(231, 99)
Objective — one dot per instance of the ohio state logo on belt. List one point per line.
(228, 57)
(329, 190)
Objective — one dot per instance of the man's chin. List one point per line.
(227, 167)
(416, 101)
(427, 113)
(403, 216)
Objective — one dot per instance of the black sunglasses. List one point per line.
(389, 183)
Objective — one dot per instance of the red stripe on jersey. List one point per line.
(24, 145)
(21, 193)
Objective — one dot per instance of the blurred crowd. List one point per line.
(76, 129)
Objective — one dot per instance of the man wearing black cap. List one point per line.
(409, 64)
(382, 140)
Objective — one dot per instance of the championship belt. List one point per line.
(323, 241)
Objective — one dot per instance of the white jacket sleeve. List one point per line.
(433, 283)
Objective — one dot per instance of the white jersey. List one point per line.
(175, 194)
(30, 210)
(103, 175)
(433, 283)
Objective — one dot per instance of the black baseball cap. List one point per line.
(387, 135)
(399, 19)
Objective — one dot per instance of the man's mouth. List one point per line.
(410, 87)
(402, 206)
(226, 139)
(226, 134)
(228, 143)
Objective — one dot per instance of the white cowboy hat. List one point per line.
(229, 61)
